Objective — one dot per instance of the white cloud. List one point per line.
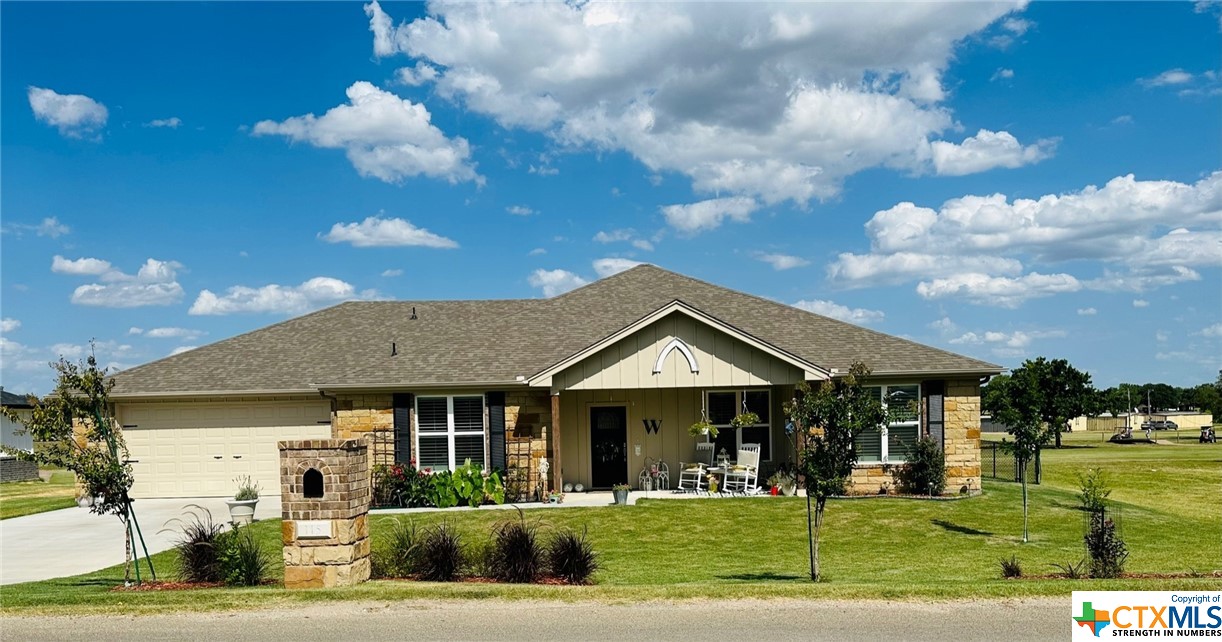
(1007, 344)
(135, 331)
(987, 150)
(554, 282)
(1169, 77)
(774, 102)
(376, 231)
(783, 261)
(390, 273)
(615, 236)
(170, 123)
(1123, 119)
(642, 244)
(60, 265)
(998, 291)
(180, 350)
(610, 266)
(1002, 74)
(1214, 330)
(74, 115)
(52, 227)
(543, 170)
(174, 333)
(1161, 336)
(1141, 303)
(859, 316)
(384, 136)
(1120, 227)
(278, 299)
(153, 284)
(8, 325)
(694, 218)
(415, 76)
(519, 210)
(537, 252)
(1087, 312)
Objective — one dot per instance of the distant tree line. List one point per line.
(1206, 397)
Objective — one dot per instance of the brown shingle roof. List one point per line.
(471, 342)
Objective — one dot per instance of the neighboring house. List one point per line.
(599, 381)
(11, 468)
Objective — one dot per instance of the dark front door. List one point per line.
(608, 446)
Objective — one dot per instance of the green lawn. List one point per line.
(873, 548)
(27, 498)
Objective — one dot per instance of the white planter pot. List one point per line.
(241, 512)
(789, 490)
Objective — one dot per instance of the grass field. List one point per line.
(27, 498)
(1167, 498)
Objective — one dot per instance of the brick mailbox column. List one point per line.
(324, 491)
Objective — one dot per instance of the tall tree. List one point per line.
(829, 418)
(78, 434)
(1038, 400)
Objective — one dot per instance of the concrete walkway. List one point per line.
(573, 500)
(72, 541)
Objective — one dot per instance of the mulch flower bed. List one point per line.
(1128, 576)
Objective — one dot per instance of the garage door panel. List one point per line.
(189, 450)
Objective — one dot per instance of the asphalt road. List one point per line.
(1041, 619)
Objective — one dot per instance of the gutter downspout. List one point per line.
(334, 407)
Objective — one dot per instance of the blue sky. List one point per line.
(1004, 181)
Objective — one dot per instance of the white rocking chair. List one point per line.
(743, 476)
(692, 474)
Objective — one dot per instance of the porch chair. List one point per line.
(743, 476)
(692, 474)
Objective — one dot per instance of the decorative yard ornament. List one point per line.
(676, 344)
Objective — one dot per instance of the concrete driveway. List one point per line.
(73, 541)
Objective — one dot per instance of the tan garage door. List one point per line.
(197, 449)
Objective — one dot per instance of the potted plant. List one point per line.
(786, 478)
(621, 493)
(713, 482)
(701, 428)
(744, 420)
(242, 506)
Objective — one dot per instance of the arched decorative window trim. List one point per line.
(676, 344)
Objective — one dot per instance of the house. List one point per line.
(600, 382)
(11, 468)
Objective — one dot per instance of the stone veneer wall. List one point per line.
(961, 444)
(362, 416)
(342, 557)
(528, 420)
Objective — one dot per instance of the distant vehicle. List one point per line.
(1165, 425)
(1146, 425)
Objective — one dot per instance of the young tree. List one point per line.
(828, 418)
(78, 434)
(1036, 403)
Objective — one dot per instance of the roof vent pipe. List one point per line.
(413, 317)
(393, 350)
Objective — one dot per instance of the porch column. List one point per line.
(557, 469)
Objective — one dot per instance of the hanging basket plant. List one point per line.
(745, 419)
(702, 427)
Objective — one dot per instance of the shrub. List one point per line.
(924, 472)
(398, 555)
(1105, 548)
(1011, 567)
(400, 485)
(243, 560)
(472, 486)
(441, 490)
(247, 489)
(441, 557)
(1071, 570)
(198, 548)
(516, 554)
(572, 558)
(1093, 490)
